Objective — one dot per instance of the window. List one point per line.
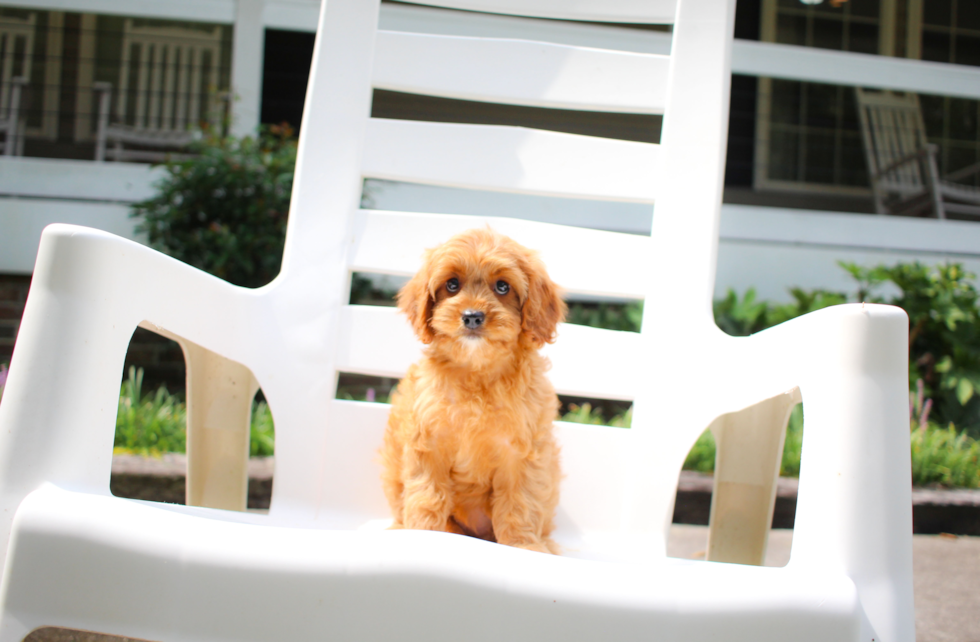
(808, 134)
(950, 32)
(164, 75)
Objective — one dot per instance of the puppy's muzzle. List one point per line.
(473, 319)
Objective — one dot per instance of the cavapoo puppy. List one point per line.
(469, 447)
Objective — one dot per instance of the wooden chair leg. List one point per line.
(749, 448)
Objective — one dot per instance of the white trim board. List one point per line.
(852, 232)
(22, 220)
(77, 180)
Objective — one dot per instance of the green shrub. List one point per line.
(225, 210)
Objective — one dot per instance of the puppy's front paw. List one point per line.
(425, 521)
(541, 546)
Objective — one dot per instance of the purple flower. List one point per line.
(370, 395)
(3, 375)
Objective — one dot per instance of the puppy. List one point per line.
(469, 446)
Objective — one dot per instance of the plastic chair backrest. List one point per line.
(329, 237)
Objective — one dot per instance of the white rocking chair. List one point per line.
(320, 565)
(902, 163)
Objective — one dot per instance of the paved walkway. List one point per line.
(947, 578)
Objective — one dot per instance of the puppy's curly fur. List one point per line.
(469, 447)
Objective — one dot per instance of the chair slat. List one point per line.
(520, 72)
(392, 243)
(510, 159)
(638, 11)
(587, 362)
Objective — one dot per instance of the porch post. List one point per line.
(248, 44)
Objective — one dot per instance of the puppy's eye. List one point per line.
(452, 285)
(502, 287)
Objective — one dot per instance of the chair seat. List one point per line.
(153, 571)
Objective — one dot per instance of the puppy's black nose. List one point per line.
(473, 319)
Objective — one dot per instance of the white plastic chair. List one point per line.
(320, 565)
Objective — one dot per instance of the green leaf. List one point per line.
(964, 391)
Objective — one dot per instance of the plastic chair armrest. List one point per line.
(89, 291)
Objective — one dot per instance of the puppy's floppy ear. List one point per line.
(543, 309)
(415, 301)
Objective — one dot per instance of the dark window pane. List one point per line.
(828, 34)
(934, 114)
(783, 150)
(968, 14)
(822, 106)
(789, 4)
(866, 8)
(967, 50)
(935, 46)
(863, 38)
(853, 163)
(938, 12)
(786, 102)
(962, 119)
(819, 158)
(849, 116)
(791, 30)
(958, 157)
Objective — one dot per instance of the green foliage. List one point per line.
(745, 316)
(154, 424)
(702, 455)
(793, 446)
(224, 211)
(262, 436)
(585, 414)
(611, 316)
(149, 425)
(944, 456)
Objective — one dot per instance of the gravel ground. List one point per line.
(947, 584)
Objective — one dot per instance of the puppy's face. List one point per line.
(479, 295)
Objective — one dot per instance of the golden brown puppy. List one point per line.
(469, 447)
